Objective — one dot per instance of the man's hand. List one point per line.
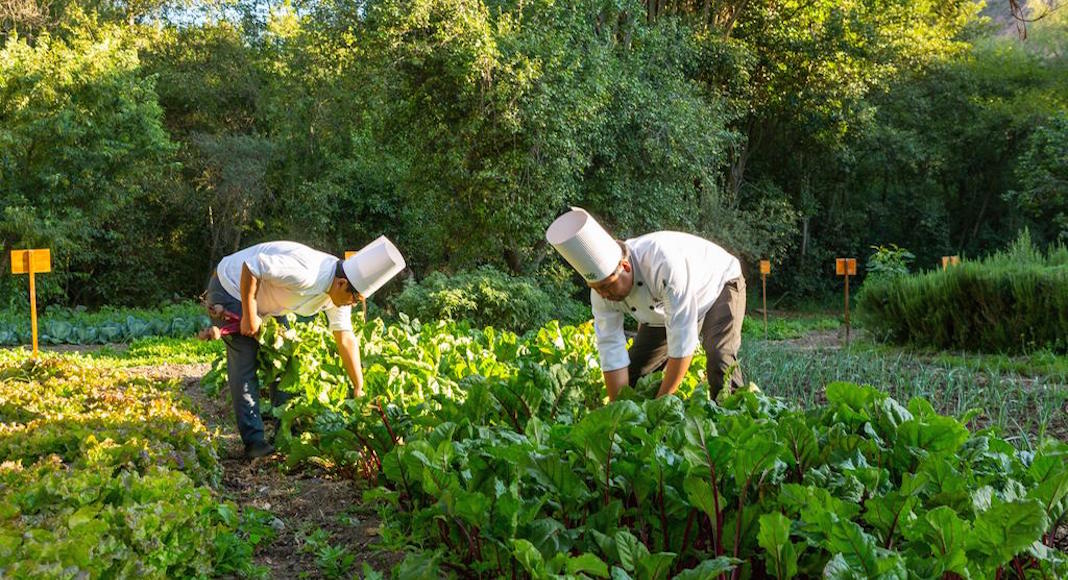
(250, 324)
(673, 374)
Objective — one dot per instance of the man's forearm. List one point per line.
(349, 349)
(614, 381)
(249, 286)
(673, 374)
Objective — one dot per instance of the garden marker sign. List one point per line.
(32, 262)
(846, 267)
(765, 269)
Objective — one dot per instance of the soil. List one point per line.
(823, 339)
(303, 501)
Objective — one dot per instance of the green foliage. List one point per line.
(492, 451)
(888, 262)
(786, 328)
(489, 297)
(1043, 175)
(497, 115)
(460, 129)
(155, 351)
(103, 474)
(81, 146)
(1013, 301)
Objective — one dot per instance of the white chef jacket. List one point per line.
(677, 278)
(293, 278)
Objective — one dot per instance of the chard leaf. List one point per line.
(889, 512)
(774, 537)
(699, 491)
(630, 550)
(854, 551)
(1004, 530)
(1050, 472)
(709, 569)
(801, 445)
(655, 566)
(933, 434)
(528, 556)
(945, 533)
(422, 565)
(587, 564)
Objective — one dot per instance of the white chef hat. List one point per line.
(585, 244)
(373, 266)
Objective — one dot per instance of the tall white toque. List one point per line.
(373, 266)
(585, 244)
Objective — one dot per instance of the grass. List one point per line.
(786, 327)
(1021, 407)
(160, 351)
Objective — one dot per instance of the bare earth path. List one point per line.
(303, 501)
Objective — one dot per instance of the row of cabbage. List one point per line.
(112, 325)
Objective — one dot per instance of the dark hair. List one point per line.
(339, 272)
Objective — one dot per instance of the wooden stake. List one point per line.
(765, 269)
(32, 262)
(846, 267)
(33, 306)
(764, 288)
(847, 308)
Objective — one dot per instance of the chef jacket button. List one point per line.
(640, 283)
(651, 307)
(633, 309)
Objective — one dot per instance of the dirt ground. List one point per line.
(302, 501)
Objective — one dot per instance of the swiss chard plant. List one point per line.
(494, 455)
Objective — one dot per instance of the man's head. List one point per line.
(616, 286)
(341, 291)
(368, 269)
(603, 261)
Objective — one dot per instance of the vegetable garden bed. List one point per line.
(492, 455)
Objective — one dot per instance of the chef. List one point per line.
(683, 291)
(279, 278)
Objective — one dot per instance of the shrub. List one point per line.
(489, 297)
(1013, 301)
(889, 262)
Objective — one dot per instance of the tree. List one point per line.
(81, 143)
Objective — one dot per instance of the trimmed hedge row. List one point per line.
(1013, 301)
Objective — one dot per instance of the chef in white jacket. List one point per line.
(682, 290)
(279, 278)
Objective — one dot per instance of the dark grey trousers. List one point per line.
(721, 337)
(241, 364)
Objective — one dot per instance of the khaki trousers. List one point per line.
(721, 336)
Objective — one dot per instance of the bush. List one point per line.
(489, 297)
(1013, 301)
(889, 262)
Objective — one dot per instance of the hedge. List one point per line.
(1013, 301)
